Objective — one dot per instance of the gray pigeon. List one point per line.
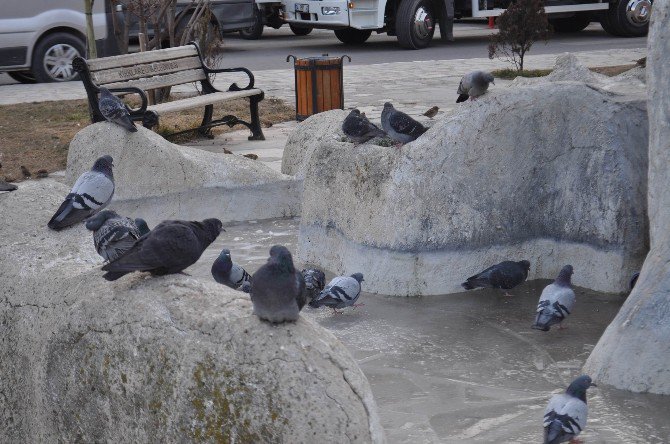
(228, 273)
(505, 275)
(359, 129)
(473, 85)
(315, 280)
(141, 225)
(113, 235)
(566, 414)
(341, 292)
(556, 301)
(114, 110)
(277, 288)
(169, 248)
(399, 125)
(90, 194)
(5, 186)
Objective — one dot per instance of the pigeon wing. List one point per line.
(93, 191)
(564, 416)
(404, 124)
(114, 110)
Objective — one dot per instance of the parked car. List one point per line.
(268, 13)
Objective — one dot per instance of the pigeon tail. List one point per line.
(67, 215)
(554, 433)
(468, 285)
(462, 98)
(128, 124)
(114, 275)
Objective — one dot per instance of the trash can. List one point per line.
(318, 84)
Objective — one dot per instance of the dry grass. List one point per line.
(511, 74)
(37, 135)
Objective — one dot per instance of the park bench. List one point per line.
(144, 71)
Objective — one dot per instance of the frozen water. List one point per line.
(466, 367)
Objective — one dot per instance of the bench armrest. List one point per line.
(234, 86)
(131, 89)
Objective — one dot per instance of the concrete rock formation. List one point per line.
(553, 172)
(633, 352)
(154, 360)
(162, 180)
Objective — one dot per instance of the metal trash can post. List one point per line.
(319, 84)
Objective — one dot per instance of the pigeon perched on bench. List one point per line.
(341, 292)
(399, 126)
(169, 248)
(473, 85)
(114, 110)
(315, 281)
(113, 235)
(566, 414)
(228, 273)
(359, 129)
(277, 288)
(90, 194)
(505, 275)
(556, 301)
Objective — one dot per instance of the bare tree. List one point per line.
(90, 36)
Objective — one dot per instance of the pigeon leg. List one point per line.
(398, 144)
(576, 441)
(358, 305)
(335, 312)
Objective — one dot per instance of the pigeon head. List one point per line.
(104, 165)
(280, 255)
(212, 228)
(489, 78)
(97, 221)
(525, 264)
(564, 276)
(142, 226)
(314, 278)
(579, 386)
(358, 277)
(223, 264)
(225, 252)
(355, 111)
(104, 91)
(388, 106)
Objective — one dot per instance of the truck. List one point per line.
(413, 21)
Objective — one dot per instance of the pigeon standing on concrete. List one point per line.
(359, 129)
(169, 248)
(114, 110)
(6, 186)
(277, 288)
(556, 301)
(566, 414)
(341, 292)
(432, 112)
(90, 194)
(315, 281)
(473, 85)
(399, 125)
(228, 273)
(505, 275)
(142, 226)
(113, 235)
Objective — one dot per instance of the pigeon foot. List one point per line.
(576, 441)
(335, 312)
(508, 295)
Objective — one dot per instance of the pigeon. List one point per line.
(633, 280)
(341, 292)
(169, 248)
(113, 235)
(566, 414)
(473, 85)
(142, 226)
(5, 186)
(505, 275)
(556, 301)
(432, 112)
(90, 194)
(278, 289)
(42, 174)
(315, 280)
(114, 110)
(228, 273)
(25, 171)
(359, 129)
(400, 126)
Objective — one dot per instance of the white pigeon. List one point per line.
(566, 414)
(556, 301)
(90, 194)
(473, 85)
(341, 292)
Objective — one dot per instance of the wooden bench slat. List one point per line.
(141, 58)
(177, 78)
(197, 101)
(122, 74)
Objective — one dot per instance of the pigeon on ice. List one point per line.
(90, 194)
(359, 129)
(315, 281)
(399, 125)
(113, 235)
(142, 226)
(473, 85)
(566, 414)
(277, 288)
(432, 112)
(114, 110)
(6, 186)
(169, 248)
(505, 275)
(341, 292)
(556, 301)
(228, 273)
(633, 280)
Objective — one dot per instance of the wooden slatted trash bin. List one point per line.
(319, 84)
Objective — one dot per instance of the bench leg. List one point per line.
(204, 130)
(256, 129)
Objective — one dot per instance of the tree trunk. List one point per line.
(90, 36)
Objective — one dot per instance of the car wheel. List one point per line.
(255, 32)
(297, 30)
(415, 24)
(352, 36)
(22, 76)
(628, 18)
(576, 23)
(53, 56)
